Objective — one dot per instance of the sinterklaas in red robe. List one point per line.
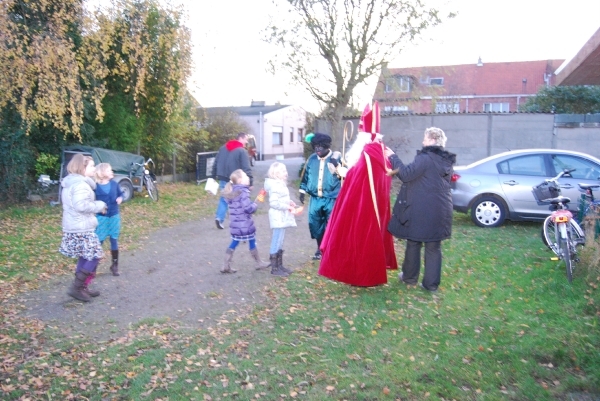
(357, 248)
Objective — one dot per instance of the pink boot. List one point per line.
(86, 289)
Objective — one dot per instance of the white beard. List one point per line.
(353, 154)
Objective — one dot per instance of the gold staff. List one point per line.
(348, 133)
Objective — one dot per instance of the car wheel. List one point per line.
(488, 211)
(127, 189)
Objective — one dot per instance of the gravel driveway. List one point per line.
(175, 275)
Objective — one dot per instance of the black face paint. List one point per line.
(321, 150)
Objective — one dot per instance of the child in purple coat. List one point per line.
(241, 226)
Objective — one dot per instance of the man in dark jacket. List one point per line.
(231, 156)
(423, 210)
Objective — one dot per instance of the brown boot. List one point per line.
(114, 268)
(86, 288)
(280, 262)
(275, 268)
(227, 265)
(260, 265)
(76, 290)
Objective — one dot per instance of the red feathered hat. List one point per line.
(370, 120)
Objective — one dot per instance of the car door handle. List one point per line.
(511, 182)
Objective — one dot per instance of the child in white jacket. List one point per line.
(281, 214)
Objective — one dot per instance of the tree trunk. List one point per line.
(337, 127)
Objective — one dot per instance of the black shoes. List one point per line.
(401, 278)
(427, 289)
(220, 225)
(317, 255)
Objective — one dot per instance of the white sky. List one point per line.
(231, 59)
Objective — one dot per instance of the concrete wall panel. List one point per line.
(475, 136)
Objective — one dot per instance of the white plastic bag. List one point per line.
(211, 186)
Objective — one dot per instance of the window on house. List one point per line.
(436, 81)
(277, 136)
(446, 107)
(291, 134)
(397, 84)
(496, 107)
(300, 134)
(390, 109)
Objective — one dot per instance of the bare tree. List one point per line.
(331, 46)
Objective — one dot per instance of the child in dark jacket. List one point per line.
(109, 224)
(241, 227)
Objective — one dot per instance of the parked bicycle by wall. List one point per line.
(149, 179)
(589, 210)
(46, 189)
(560, 232)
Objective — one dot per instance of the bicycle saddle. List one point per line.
(558, 199)
(588, 186)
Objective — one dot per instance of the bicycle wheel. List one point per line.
(565, 250)
(549, 235)
(151, 187)
(577, 233)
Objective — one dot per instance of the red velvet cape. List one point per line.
(357, 248)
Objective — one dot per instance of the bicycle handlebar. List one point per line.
(562, 173)
(144, 164)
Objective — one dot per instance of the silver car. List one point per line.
(499, 187)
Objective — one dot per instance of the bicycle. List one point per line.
(45, 189)
(589, 207)
(149, 179)
(560, 232)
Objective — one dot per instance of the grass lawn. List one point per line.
(505, 325)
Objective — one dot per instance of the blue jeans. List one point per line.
(277, 240)
(234, 244)
(222, 208)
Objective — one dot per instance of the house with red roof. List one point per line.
(466, 88)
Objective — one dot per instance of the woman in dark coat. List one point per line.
(423, 209)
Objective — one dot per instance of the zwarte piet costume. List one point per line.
(322, 185)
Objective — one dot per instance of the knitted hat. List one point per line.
(321, 139)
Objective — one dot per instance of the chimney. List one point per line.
(257, 103)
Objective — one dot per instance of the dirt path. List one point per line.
(175, 275)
